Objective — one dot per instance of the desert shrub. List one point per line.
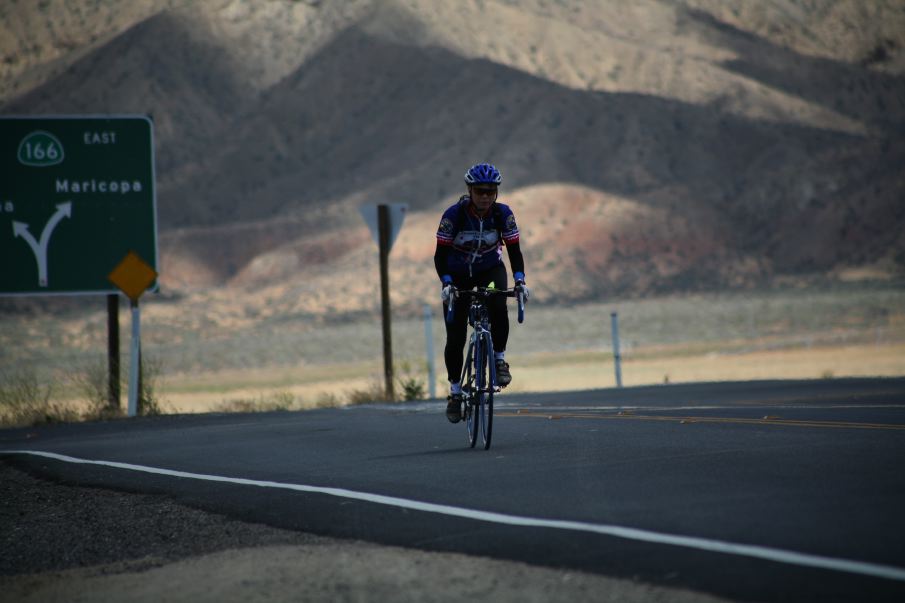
(411, 382)
(412, 388)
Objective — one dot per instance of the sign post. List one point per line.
(77, 193)
(385, 221)
(133, 276)
(113, 351)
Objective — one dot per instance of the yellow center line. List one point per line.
(764, 421)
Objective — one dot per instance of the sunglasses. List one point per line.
(487, 192)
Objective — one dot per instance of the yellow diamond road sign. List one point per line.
(132, 275)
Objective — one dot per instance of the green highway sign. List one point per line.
(77, 194)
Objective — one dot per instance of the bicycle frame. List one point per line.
(480, 338)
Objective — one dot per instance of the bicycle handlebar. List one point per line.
(485, 293)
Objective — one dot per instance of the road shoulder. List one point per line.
(68, 543)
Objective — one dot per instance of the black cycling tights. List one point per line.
(457, 330)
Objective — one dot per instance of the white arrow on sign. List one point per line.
(20, 229)
(397, 216)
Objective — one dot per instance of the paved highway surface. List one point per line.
(785, 490)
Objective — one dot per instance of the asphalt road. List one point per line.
(772, 491)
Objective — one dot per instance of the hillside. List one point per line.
(646, 146)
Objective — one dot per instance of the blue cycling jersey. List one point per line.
(476, 243)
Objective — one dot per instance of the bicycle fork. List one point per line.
(484, 353)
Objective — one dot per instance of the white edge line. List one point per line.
(693, 542)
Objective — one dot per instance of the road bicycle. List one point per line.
(479, 372)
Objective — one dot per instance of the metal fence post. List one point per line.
(617, 359)
(135, 360)
(429, 343)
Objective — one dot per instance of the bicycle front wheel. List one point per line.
(472, 388)
(485, 404)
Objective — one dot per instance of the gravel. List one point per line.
(50, 526)
(66, 543)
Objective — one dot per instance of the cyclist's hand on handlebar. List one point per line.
(448, 290)
(522, 288)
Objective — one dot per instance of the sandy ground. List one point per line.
(63, 543)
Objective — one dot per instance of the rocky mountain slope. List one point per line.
(645, 146)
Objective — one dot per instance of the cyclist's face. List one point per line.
(483, 196)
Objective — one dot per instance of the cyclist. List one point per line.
(469, 254)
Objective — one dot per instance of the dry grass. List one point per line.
(296, 363)
(597, 370)
(25, 400)
(268, 389)
(81, 394)
(571, 371)
(272, 389)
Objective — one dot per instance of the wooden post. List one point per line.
(383, 228)
(113, 387)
